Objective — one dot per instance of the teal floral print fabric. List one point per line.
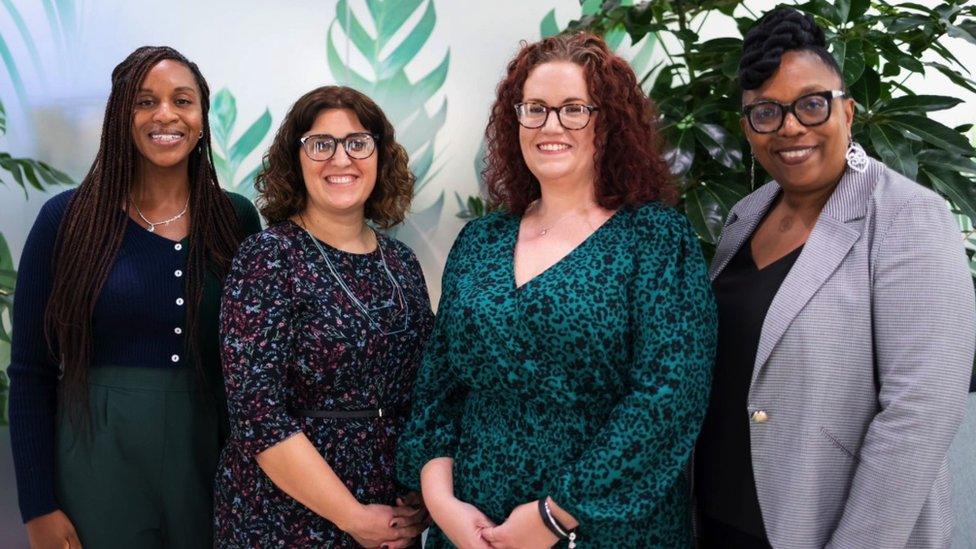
(588, 383)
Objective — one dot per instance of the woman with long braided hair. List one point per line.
(116, 407)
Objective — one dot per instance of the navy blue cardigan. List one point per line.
(139, 320)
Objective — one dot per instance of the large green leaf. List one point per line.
(932, 132)
(894, 149)
(867, 90)
(934, 158)
(919, 103)
(708, 204)
(960, 190)
(720, 144)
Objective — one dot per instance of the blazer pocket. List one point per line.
(833, 440)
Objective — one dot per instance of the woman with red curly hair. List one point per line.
(567, 375)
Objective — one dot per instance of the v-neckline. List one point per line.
(511, 264)
(758, 269)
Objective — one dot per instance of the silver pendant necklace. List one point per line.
(365, 311)
(153, 224)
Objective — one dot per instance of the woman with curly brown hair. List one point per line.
(323, 321)
(568, 370)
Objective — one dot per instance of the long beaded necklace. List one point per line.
(152, 224)
(397, 290)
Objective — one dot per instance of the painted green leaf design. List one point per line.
(251, 138)
(229, 157)
(385, 79)
(549, 27)
(223, 114)
(3, 119)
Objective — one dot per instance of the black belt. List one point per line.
(343, 414)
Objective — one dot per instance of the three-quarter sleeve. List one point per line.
(438, 396)
(641, 451)
(257, 327)
(33, 370)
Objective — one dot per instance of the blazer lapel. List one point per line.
(743, 219)
(837, 229)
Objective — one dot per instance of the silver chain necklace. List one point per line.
(152, 225)
(397, 290)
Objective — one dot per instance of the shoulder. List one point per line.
(48, 220)
(57, 205)
(272, 243)
(655, 221)
(398, 248)
(893, 192)
(241, 204)
(246, 213)
(485, 229)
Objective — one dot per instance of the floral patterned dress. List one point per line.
(293, 339)
(587, 383)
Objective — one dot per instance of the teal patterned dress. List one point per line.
(587, 383)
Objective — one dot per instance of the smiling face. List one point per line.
(802, 158)
(339, 185)
(167, 116)
(552, 153)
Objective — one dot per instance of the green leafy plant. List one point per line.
(877, 44)
(228, 155)
(400, 37)
(37, 174)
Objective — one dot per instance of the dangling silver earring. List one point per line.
(857, 159)
(200, 142)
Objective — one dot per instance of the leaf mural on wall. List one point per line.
(401, 30)
(228, 156)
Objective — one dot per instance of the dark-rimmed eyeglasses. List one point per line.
(811, 109)
(321, 147)
(572, 116)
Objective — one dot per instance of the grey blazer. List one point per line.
(863, 367)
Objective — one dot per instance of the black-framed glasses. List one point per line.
(811, 109)
(321, 147)
(572, 116)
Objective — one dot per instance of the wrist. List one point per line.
(561, 515)
(439, 504)
(350, 517)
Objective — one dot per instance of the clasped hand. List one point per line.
(469, 528)
(391, 527)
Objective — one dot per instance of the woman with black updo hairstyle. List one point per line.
(846, 327)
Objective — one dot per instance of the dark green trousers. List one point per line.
(142, 475)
